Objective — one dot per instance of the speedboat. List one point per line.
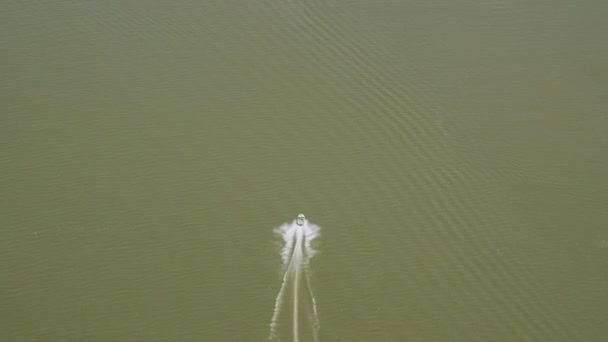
(300, 220)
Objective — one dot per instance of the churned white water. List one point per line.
(295, 257)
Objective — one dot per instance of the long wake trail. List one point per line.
(296, 253)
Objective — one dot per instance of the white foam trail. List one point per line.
(295, 256)
(316, 325)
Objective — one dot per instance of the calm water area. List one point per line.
(453, 153)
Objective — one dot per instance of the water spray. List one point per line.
(295, 256)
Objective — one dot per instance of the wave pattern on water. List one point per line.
(478, 271)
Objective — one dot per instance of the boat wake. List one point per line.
(295, 295)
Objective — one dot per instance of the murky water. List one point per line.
(453, 152)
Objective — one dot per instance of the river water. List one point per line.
(454, 154)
